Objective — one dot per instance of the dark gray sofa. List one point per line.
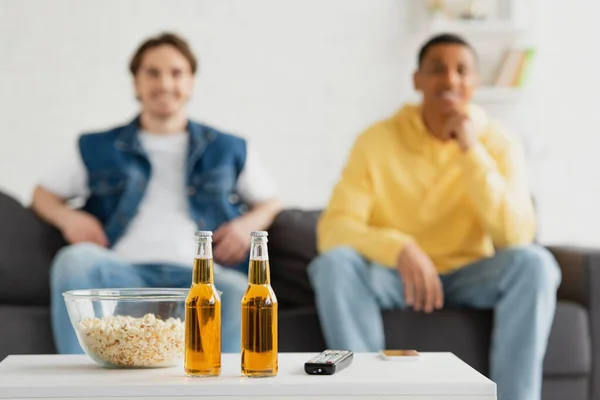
(571, 367)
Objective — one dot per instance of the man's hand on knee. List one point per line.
(79, 227)
(232, 242)
(422, 286)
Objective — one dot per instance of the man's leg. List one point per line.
(83, 266)
(520, 284)
(350, 293)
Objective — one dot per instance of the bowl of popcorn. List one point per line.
(129, 328)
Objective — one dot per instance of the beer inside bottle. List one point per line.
(259, 314)
(203, 314)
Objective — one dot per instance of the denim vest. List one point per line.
(119, 170)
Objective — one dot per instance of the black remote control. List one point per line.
(328, 362)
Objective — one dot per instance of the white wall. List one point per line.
(565, 105)
(301, 78)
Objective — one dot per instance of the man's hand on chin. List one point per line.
(459, 127)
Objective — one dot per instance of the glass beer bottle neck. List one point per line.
(203, 271)
(258, 272)
(203, 262)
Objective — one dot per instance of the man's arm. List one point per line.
(500, 194)
(68, 180)
(261, 215)
(345, 222)
(257, 188)
(498, 189)
(49, 207)
(232, 239)
(76, 226)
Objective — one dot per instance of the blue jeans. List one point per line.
(88, 266)
(518, 283)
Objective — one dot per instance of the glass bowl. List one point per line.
(129, 328)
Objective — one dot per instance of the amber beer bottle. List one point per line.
(203, 314)
(259, 314)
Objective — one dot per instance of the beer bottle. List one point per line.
(259, 314)
(203, 314)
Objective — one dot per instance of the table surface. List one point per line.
(77, 376)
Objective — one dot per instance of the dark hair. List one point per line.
(444, 38)
(166, 38)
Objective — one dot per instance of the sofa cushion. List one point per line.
(566, 387)
(464, 332)
(467, 333)
(25, 330)
(300, 331)
(293, 233)
(27, 246)
(569, 345)
(290, 282)
(292, 246)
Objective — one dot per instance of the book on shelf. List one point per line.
(514, 67)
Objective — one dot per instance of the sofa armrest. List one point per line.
(581, 284)
(27, 247)
(580, 269)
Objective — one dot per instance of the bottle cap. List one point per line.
(201, 234)
(259, 234)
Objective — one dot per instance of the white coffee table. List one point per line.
(436, 376)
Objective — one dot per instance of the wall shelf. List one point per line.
(493, 94)
(474, 27)
(501, 17)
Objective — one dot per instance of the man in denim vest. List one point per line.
(148, 186)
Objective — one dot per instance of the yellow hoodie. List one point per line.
(402, 184)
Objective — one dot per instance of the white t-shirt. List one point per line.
(163, 229)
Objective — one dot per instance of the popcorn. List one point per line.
(126, 341)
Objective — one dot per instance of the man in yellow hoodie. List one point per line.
(432, 209)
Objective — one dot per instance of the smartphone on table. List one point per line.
(399, 355)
